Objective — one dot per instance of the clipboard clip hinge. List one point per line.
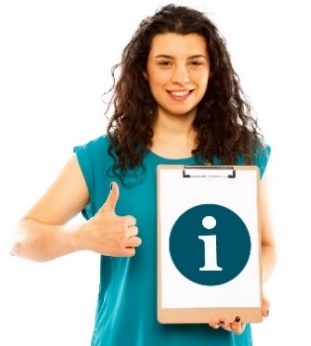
(200, 171)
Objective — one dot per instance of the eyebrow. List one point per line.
(190, 57)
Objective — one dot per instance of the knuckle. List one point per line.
(136, 241)
(131, 252)
(130, 220)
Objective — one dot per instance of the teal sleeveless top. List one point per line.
(126, 306)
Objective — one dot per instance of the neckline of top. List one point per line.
(159, 157)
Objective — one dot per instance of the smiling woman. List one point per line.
(178, 70)
(177, 100)
(178, 73)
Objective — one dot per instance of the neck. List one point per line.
(174, 137)
(176, 126)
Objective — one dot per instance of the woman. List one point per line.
(177, 101)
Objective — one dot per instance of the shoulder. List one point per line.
(261, 157)
(93, 152)
(93, 157)
(94, 161)
(98, 143)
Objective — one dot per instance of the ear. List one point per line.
(145, 75)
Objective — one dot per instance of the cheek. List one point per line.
(203, 82)
(201, 78)
(157, 80)
(206, 84)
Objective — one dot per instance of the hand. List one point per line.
(109, 234)
(237, 326)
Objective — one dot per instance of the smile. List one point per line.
(179, 95)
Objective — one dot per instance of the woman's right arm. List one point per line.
(44, 232)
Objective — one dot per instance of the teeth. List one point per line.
(180, 93)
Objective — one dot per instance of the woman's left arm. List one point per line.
(268, 247)
(268, 256)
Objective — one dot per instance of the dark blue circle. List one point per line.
(187, 250)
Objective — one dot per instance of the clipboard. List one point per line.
(208, 244)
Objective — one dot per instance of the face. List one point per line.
(177, 72)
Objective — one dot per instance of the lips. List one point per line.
(179, 94)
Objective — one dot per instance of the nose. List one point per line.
(181, 75)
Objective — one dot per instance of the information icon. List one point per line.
(209, 244)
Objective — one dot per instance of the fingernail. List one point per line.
(237, 319)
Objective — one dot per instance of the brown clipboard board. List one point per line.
(178, 296)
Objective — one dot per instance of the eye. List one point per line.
(196, 63)
(164, 63)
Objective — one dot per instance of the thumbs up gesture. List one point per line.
(109, 234)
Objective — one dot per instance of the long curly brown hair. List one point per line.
(224, 123)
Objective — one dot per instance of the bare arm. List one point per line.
(268, 258)
(268, 250)
(44, 234)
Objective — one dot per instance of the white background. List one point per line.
(55, 65)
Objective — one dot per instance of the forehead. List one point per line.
(173, 44)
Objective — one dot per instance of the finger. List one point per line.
(112, 198)
(126, 252)
(226, 325)
(214, 324)
(133, 242)
(129, 252)
(131, 231)
(237, 326)
(129, 221)
(265, 307)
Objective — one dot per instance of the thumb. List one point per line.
(112, 198)
(265, 307)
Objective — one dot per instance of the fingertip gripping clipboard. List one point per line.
(208, 244)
